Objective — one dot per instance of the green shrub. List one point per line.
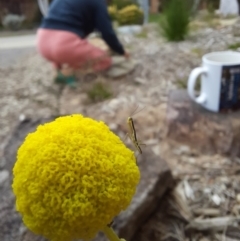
(131, 14)
(175, 20)
(120, 4)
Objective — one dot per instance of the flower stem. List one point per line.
(111, 235)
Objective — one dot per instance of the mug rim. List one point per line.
(212, 62)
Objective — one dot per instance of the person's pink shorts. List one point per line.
(63, 47)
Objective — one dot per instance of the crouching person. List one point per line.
(61, 37)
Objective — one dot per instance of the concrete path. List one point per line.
(17, 41)
(13, 48)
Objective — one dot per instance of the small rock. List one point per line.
(207, 190)
(216, 199)
(156, 150)
(113, 126)
(122, 69)
(114, 104)
(226, 160)
(238, 198)
(182, 150)
(189, 192)
(236, 210)
(22, 117)
(4, 175)
(22, 229)
(151, 142)
(140, 80)
(191, 160)
(225, 180)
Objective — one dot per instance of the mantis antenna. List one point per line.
(43, 5)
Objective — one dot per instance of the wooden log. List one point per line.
(154, 5)
(202, 130)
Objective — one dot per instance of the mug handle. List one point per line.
(201, 99)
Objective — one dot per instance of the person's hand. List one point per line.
(126, 55)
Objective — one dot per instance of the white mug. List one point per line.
(220, 81)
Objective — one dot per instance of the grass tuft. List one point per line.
(99, 92)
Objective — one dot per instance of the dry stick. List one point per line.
(217, 224)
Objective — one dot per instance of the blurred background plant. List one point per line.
(125, 12)
(175, 19)
(120, 4)
(131, 14)
(212, 5)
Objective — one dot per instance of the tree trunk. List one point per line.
(144, 4)
(238, 7)
(229, 7)
(43, 5)
(196, 5)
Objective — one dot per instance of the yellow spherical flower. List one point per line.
(72, 177)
